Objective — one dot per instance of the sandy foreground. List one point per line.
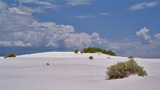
(70, 71)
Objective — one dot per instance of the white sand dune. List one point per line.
(70, 71)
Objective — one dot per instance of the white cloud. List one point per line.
(19, 26)
(152, 4)
(78, 2)
(114, 46)
(77, 41)
(11, 20)
(51, 44)
(143, 35)
(95, 36)
(52, 26)
(45, 4)
(27, 1)
(18, 11)
(5, 43)
(143, 5)
(105, 14)
(3, 5)
(21, 44)
(85, 16)
(157, 36)
(34, 1)
(16, 44)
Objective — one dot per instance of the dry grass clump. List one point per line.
(91, 57)
(124, 69)
(47, 64)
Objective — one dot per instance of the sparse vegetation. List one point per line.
(10, 55)
(90, 57)
(47, 63)
(96, 50)
(75, 51)
(124, 69)
(130, 57)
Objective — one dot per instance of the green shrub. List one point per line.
(95, 50)
(47, 64)
(130, 57)
(75, 51)
(81, 51)
(124, 69)
(6, 56)
(90, 57)
(10, 55)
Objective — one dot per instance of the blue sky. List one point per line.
(128, 27)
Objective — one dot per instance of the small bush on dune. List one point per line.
(130, 57)
(47, 64)
(82, 52)
(124, 69)
(75, 51)
(90, 57)
(10, 55)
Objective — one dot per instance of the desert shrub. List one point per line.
(130, 57)
(124, 69)
(81, 51)
(10, 55)
(47, 63)
(90, 57)
(75, 51)
(6, 56)
(95, 50)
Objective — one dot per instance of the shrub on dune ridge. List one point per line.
(130, 57)
(95, 50)
(81, 51)
(124, 69)
(75, 51)
(10, 55)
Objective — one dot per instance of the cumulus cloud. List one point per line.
(18, 11)
(15, 44)
(143, 35)
(78, 2)
(11, 20)
(5, 43)
(143, 5)
(21, 44)
(51, 44)
(3, 5)
(77, 40)
(19, 28)
(157, 36)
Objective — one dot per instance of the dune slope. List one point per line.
(70, 71)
